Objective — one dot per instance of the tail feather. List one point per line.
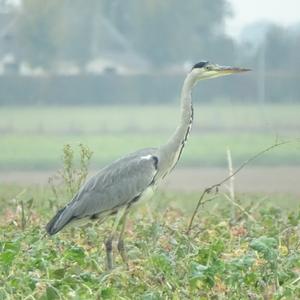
(57, 222)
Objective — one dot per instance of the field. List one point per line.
(242, 246)
(32, 137)
(253, 254)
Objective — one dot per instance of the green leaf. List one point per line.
(58, 273)
(197, 272)
(12, 246)
(262, 243)
(51, 293)
(9, 251)
(107, 293)
(243, 262)
(7, 257)
(266, 246)
(150, 296)
(75, 254)
(162, 262)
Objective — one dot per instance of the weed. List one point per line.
(255, 257)
(218, 260)
(68, 180)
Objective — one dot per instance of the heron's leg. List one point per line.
(121, 246)
(109, 241)
(109, 257)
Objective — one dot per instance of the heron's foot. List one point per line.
(122, 251)
(109, 254)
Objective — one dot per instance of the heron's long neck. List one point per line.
(172, 150)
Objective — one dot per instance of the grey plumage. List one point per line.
(111, 188)
(134, 177)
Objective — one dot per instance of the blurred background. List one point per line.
(108, 74)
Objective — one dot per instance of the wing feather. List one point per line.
(112, 187)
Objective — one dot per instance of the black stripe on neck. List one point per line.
(184, 140)
(187, 133)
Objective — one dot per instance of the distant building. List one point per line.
(114, 53)
(110, 51)
(9, 62)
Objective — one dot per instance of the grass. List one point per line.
(43, 152)
(226, 116)
(32, 137)
(223, 258)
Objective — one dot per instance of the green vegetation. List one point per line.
(43, 152)
(223, 257)
(247, 251)
(32, 138)
(69, 30)
(270, 118)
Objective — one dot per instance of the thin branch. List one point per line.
(239, 207)
(217, 185)
(295, 281)
(205, 201)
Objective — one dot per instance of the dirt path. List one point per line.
(256, 179)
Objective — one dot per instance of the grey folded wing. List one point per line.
(113, 187)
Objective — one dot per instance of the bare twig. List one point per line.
(205, 201)
(234, 203)
(257, 204)
(295, 281)
(217, 185)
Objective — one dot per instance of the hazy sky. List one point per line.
(285, 12)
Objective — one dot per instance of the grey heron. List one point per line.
(118, 186)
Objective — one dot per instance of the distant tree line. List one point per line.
(166, 33)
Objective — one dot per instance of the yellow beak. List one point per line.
(229, 70)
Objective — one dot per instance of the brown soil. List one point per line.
(283, 179)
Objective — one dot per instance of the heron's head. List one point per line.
(206, 70)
